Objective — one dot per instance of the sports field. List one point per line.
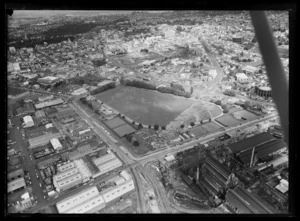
(145, 106)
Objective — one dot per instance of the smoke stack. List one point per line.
(252, 157)
(198, 171)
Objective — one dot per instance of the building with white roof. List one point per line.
(79, 91)
(170, 158)
(125, 175)
(83, 169)
(114, 192)
(65, 174)
(49, 125)
(283, 187)
(241, 77)
(68, 182)
(64, 167)
(28, 121)
(86, 201)
(56, 144)
(250, 69)
(91, 206)
(110, 165)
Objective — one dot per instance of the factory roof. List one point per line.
(246, 202)
(250, 142)
(262, 150)
(76, 199)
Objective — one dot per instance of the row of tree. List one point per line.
(137, 83)
(103, 88)
(170, 90)
(230, 93)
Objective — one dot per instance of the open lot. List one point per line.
(228, 121)
(145, 106)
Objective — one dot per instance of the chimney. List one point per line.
(252, 157)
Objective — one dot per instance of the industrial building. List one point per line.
(216, 178)
(86, 201)
(244, 202)
(114, 192)
(28, 122)
(263, 91)
(247, 157)
(64, 167)
(16, 184)
(65, 174)
(56, 144)
(42, 140)
(68, 182)
(49, 103)
(250, 142)
(83, 169)
(106, 163)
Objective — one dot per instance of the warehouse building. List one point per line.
(28, 122)
(90, 206)
(65, 174)
(250, 142)
(114, 192)
(243, 202)
(56, 144)
(105, 158)
(125, 175)
(261, 151)
(42, 140)
(64, 167)
(68, 182)
(86, 201)
(16, 184)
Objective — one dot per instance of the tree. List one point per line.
(163, 127)
(156, 127)
(149, 126)
(192, 124)
(218, 102)
(182, 126)
(225, 111)
(246, 104)
(136, 143)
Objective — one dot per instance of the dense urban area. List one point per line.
(143, 112)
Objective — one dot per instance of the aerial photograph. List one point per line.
(145, 112)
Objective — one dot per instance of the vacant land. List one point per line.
(145, 106)
(205, 129)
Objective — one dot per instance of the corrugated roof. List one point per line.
(250, 142)
(262, 150)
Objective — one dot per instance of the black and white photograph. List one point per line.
(147, 111)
